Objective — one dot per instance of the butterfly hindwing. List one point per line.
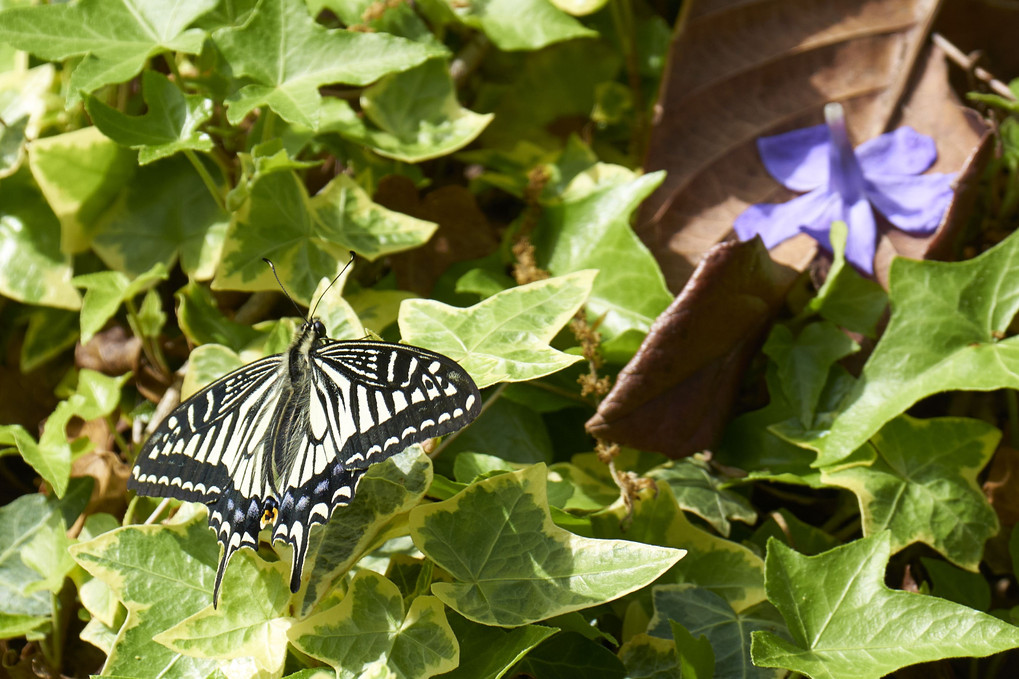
(368, 401)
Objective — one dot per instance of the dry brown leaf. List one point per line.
(988, 27)
(1002, 485)
(109, 493)
(740, 71)
(113, 351)
(463, 231)
(675, 395)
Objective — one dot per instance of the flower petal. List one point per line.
(861, 242)
(775, 222)
(798, 159)
(913, 204)
(902, 151)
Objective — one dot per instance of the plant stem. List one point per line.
(207, 179)
(151, 349)
(622, 17)
(268, 124)
(171, 61)
(55, 656)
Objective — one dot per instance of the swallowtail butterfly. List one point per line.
(283, 441)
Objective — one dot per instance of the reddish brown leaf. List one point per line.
(675, 395)
(740, 71)
(113, 351)
(109, 493)
(1002, 485)
(463, 231)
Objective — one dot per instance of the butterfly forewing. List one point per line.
(192, 454)
(295, 432)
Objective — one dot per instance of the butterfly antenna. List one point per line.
(336, 278)
(283, 287)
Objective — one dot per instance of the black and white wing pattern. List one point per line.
(283, 441)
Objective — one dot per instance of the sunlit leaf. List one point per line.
(846, 623)
(116, 39)
(288, 57)
(371, 629)
(505, 337)
(168, 126)
(513, 566)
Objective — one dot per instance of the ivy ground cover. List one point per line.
(730, 468)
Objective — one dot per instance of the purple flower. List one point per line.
(882, 174)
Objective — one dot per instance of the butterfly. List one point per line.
(282, 442)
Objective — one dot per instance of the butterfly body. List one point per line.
(283, 441)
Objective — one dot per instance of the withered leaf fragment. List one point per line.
(675, 395)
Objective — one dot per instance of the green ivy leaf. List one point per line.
(490, 652)
(13, 136)
(377, 309)
(22, 521)
(697, 490)
(513, 566)
(50, 332)
(923, 486)
(846, 298)
(96, 396)
(151, 317)
(648, 657)
(162, 574)
(804, 362)
(702, 612)
(247, 624)
(164, 214)
(500, 21)
(335, 312)
(209, 362)
(13, 626)
(429, 124)
(954, 584)
(32, 267)
(569, 655)
(750, 442)
(402, 20)
(385, 492)
(116, 39)
(556, 83)
(288, 57)
(369, 633)
(80, 173)
(53, 463)
(25, 98)
(202, 322)
(170, 124)
(509, 431)
(944, 334)
(785, 526)
(845, 623)
(106, 291)
(505, 337)
(696, 656)
(593, 232)
(309, 238)
(722, 566)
